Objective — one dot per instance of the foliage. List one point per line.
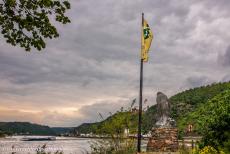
(208, 150)
(107, 146)
(197, 150)
(185, 104)
(149, 119)
(62, 130)
(115, 125)
(119, 120)
(188, 100)
(86, 128)
(2, 134)
(214, 121)
(25, 128)
(42, 150)
(28, 22)
(115, 141)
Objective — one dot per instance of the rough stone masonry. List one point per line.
(163, 139)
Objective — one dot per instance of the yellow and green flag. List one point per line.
(146, 39)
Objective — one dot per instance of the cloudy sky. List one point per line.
(94, 65)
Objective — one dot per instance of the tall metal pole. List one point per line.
(140, 97)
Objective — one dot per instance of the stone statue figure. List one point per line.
(164, 134)
(163, 111)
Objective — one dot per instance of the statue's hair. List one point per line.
(158, 93)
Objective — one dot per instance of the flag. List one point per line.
(146, 39)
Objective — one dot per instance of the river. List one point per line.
(68, 145)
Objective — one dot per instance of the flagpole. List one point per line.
(140, 97)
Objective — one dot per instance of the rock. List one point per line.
(163, 140)
(163, 111)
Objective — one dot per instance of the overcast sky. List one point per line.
(94, 65)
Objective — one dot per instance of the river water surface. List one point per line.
(66, 144)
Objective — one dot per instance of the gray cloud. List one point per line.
(226, 78)
(224, 59)
(197, 81)
(94, 65)
(104, 108)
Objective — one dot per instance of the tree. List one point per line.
(27, 22)
(215, 121)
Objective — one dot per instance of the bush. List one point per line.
(208, 150)
(215, 121)
(42, 150)
(113, 139)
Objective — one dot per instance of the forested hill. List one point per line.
(191, 99)
(183, 105)
(25, 128)
(62, 130)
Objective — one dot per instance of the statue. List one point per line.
(164, 135)
(163, 111)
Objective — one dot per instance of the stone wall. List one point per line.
(163, 139)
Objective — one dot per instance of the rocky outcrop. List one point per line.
(163, 111)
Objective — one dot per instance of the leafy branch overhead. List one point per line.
(27, 22)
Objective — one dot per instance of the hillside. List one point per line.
(189, 101)
(86, 128)
(215, 110)
(212, 121)
(186, 103)
(183, 104)
(120, 118)
(25, 128)
(62, 130)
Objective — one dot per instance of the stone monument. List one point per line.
(164, 134)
